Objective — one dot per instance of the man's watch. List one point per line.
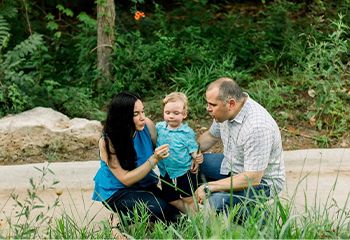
(206, 189)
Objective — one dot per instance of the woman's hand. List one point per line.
(161, 152)
(130, 177)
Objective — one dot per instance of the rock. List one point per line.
(42, 134)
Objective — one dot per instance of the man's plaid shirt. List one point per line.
(252, 142)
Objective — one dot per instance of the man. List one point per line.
(252, 162)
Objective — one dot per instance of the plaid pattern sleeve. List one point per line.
(257, 149)
(252, 142)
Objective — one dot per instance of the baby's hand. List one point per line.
(194, 167)
(198, 158)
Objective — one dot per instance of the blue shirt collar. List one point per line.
(183, 128)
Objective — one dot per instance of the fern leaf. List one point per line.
(23, 49)
(4, 32)
(9, 9)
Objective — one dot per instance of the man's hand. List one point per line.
(200, 194)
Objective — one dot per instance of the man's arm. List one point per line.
(237, 182)
(206, 141)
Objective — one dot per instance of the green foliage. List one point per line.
(19, 71)
(66, 227)
(31, 212)
(325, 70)
(84, 48)
(25, 48)
(276, 96)
(32, 218)
(77, 102)
(27, 71)
(278, 51)
(276, 36)
(144, 67)
(194, 80)
(74, 53)
(9, 9)
(4, 33)
(278, 218)
(64, 10)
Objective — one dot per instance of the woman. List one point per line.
(126, 175)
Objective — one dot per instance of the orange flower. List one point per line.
(138, 15)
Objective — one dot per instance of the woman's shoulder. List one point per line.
(150, 125)
(102, 148)
(102, 143)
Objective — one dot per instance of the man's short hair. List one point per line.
(228, 88)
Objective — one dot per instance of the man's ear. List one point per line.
(231, 102)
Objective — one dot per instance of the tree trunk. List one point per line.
(105, 40)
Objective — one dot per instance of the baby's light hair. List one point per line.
(176, 96)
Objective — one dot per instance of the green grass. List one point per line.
(277, 219)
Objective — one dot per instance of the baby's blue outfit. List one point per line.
(106, 184)
(182, 142)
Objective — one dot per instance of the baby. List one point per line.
(178, 171)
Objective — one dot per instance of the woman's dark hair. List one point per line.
(119, 129)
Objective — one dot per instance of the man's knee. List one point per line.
(218, 201)
(223, 201)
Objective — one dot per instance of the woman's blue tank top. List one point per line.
(106, 184)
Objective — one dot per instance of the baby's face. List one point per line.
(174, 114)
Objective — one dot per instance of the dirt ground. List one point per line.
(297, 137)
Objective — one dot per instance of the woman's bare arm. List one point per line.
(130, 177)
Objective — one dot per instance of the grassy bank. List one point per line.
(279, 218)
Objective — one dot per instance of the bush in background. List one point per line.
(288, 55)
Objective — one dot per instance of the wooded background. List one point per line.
(73, 56)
